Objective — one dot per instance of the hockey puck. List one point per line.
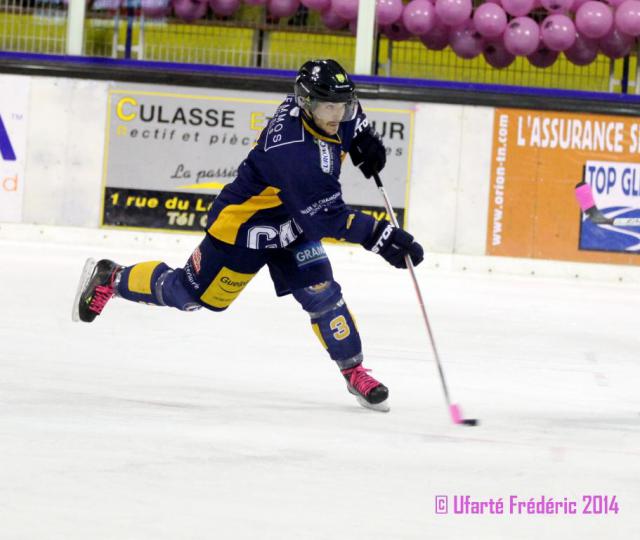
(470, 422)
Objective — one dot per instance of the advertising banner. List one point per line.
(169, 152)
(538, 210)
(14, 100)
(615, 193)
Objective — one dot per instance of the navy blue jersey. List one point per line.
(288, 187)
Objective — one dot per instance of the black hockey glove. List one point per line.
(368, 152)
(394, 244)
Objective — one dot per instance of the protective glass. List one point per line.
(329, 111)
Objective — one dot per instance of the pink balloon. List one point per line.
(332, 20)
(628, 17)
(522, 36)
(347, 9)
(388, 11)
(577, 3)
(190, 10)
(453, 12)
(543, 57)
(283, 8)
(419, 16)
(466, 41)
(594, 19)
(558, 32)
(497, 55)
(557, 6)
(615, 3)
(316, 5)
(517, 8)
(224, 7)
(490, 20)
(396, 31)
(616, 44)
(583, 51)
(255, 2)
(437, 38)
(155, 8)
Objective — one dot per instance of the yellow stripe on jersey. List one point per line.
(233, 216)
(140, 277)
(318, 135)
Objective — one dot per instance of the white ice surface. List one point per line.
(155, 424)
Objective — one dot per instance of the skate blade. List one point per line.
(87, 271)
(383, 406)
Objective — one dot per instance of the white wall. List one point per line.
(66, 134)
(65, 146)
(450, 177)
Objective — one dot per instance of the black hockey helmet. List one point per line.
(325, 81)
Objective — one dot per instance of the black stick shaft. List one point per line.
(410, 267)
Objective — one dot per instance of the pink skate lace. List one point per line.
(359, 379)
(103, 294)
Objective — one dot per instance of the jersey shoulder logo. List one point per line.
(284, 128)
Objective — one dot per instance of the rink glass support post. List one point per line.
(365, 37)
(75, 27)
(624, 82)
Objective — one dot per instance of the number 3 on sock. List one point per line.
(340, 328)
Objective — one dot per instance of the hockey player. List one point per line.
(286, 197)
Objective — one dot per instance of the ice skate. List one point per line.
(95, 289)
(369, 392)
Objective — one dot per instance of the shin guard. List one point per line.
(332, 322)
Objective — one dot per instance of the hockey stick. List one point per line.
(584, 195)
(454, 409)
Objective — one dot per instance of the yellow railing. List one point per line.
(224, 43)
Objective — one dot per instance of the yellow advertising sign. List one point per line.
(538, 158)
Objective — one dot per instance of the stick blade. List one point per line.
(456, 416)
(456, 413)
